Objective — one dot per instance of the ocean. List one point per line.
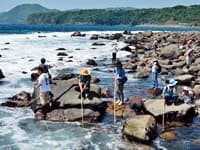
(22, 46)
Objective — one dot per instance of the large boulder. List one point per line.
(1, 75)
(19, 100)
(141, 128)
(67, 104)
(196, 91)
(170, 52)
(78, 34)
(184, 79)
(144, 73)
(177, 112)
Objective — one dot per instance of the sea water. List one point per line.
(21, 51)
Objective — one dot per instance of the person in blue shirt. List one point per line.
(119, 75)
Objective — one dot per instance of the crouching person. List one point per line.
(170, 92)
(84, 83)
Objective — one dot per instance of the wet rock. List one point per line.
(91, 62)
(196, 91)
(136, 103)
(154, 92)
(60, 49)
(144, 73)
(141, 128)
(169, 135)
(60, 59)
(62, 54)
(98, 44)
(94, 37)
(116, 36)
(7, 43)
(184, 79)
(1, 74)
(65, 76)
(127, 48)
(19, 100)
(73, 114)
(22, 96)
(170, 52)
(174, 112)
(127, 32)
(78, 34)
(95, 80)
(121, 111)
(106, 93)
(41, 36)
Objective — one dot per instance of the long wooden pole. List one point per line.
(82, 111)
(163, 117)
(114, 98)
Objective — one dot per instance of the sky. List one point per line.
(88, 4)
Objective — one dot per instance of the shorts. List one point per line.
(44, 97)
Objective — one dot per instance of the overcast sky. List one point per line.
(6, 5)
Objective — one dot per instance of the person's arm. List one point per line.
(80, 86)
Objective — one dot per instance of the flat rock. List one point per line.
(73, 114)
(156, 107)
(184, 79)
(141, 128)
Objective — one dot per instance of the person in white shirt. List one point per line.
(44, 86)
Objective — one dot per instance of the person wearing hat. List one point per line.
(84, 82)
(119, 75)
(170, 92)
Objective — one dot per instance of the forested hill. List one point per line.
(19, 14)
(178, 15)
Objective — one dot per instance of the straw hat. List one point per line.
(172, 82)
(85, 71)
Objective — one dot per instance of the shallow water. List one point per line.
(18, 128)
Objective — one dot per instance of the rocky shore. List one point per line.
(142, 115)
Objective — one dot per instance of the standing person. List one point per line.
(170, 93)
(156, 69)
(189, 56)
(43, 85)
(84, 83)
(154, 44)
(120, 79)
(45, 67)
(114, 53)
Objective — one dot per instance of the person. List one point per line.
(155, 71)
(45, 67)
(170, 92)
(44, 86)
(189, 56)
(84, 83)
(154, 44)
(114, 53)
(119, 76)
(186, 96)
